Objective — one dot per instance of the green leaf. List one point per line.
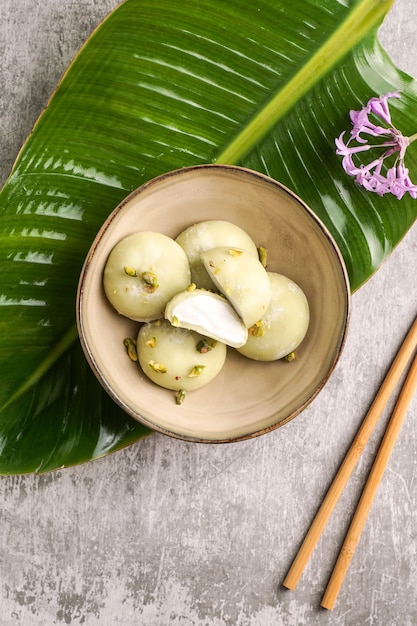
(266, 84)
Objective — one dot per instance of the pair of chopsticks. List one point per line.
(365, 431)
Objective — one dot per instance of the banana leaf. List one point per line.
(158, 86)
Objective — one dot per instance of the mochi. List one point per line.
(210, 234)
(177, 358)
(143, 272)
(284, 325)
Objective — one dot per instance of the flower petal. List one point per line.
(396, 179)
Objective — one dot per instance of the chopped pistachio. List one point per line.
(175, 321)
(157, 367)
(290, 357)
(205, 345)
(196, 371)
(131, 348)
(180, 396)
(192, 287)
(151, 343)
(257, 329)
(151, 281)
(263, 255)
(130, 271)
(235, 252)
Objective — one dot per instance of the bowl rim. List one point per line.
(107, 224)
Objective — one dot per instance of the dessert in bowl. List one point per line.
(247, 396)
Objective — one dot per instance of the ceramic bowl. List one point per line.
(248, 398)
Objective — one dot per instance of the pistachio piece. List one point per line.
(157, 367)
(131, 348)
(205, 345)
(150, 280)
(180, 396)
(257, 329)
(130, 271)
(263, 256)
(196, 371)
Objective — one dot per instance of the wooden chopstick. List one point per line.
(371, 486)
(365, 431)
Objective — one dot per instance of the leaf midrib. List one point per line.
(366, 16)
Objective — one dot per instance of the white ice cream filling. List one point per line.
(209, 314)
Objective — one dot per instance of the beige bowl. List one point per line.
(247, 398)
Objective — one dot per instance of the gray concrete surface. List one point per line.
(171, 533)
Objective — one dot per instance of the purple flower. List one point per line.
(374, 120)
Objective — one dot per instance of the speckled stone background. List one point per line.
(178, 534)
